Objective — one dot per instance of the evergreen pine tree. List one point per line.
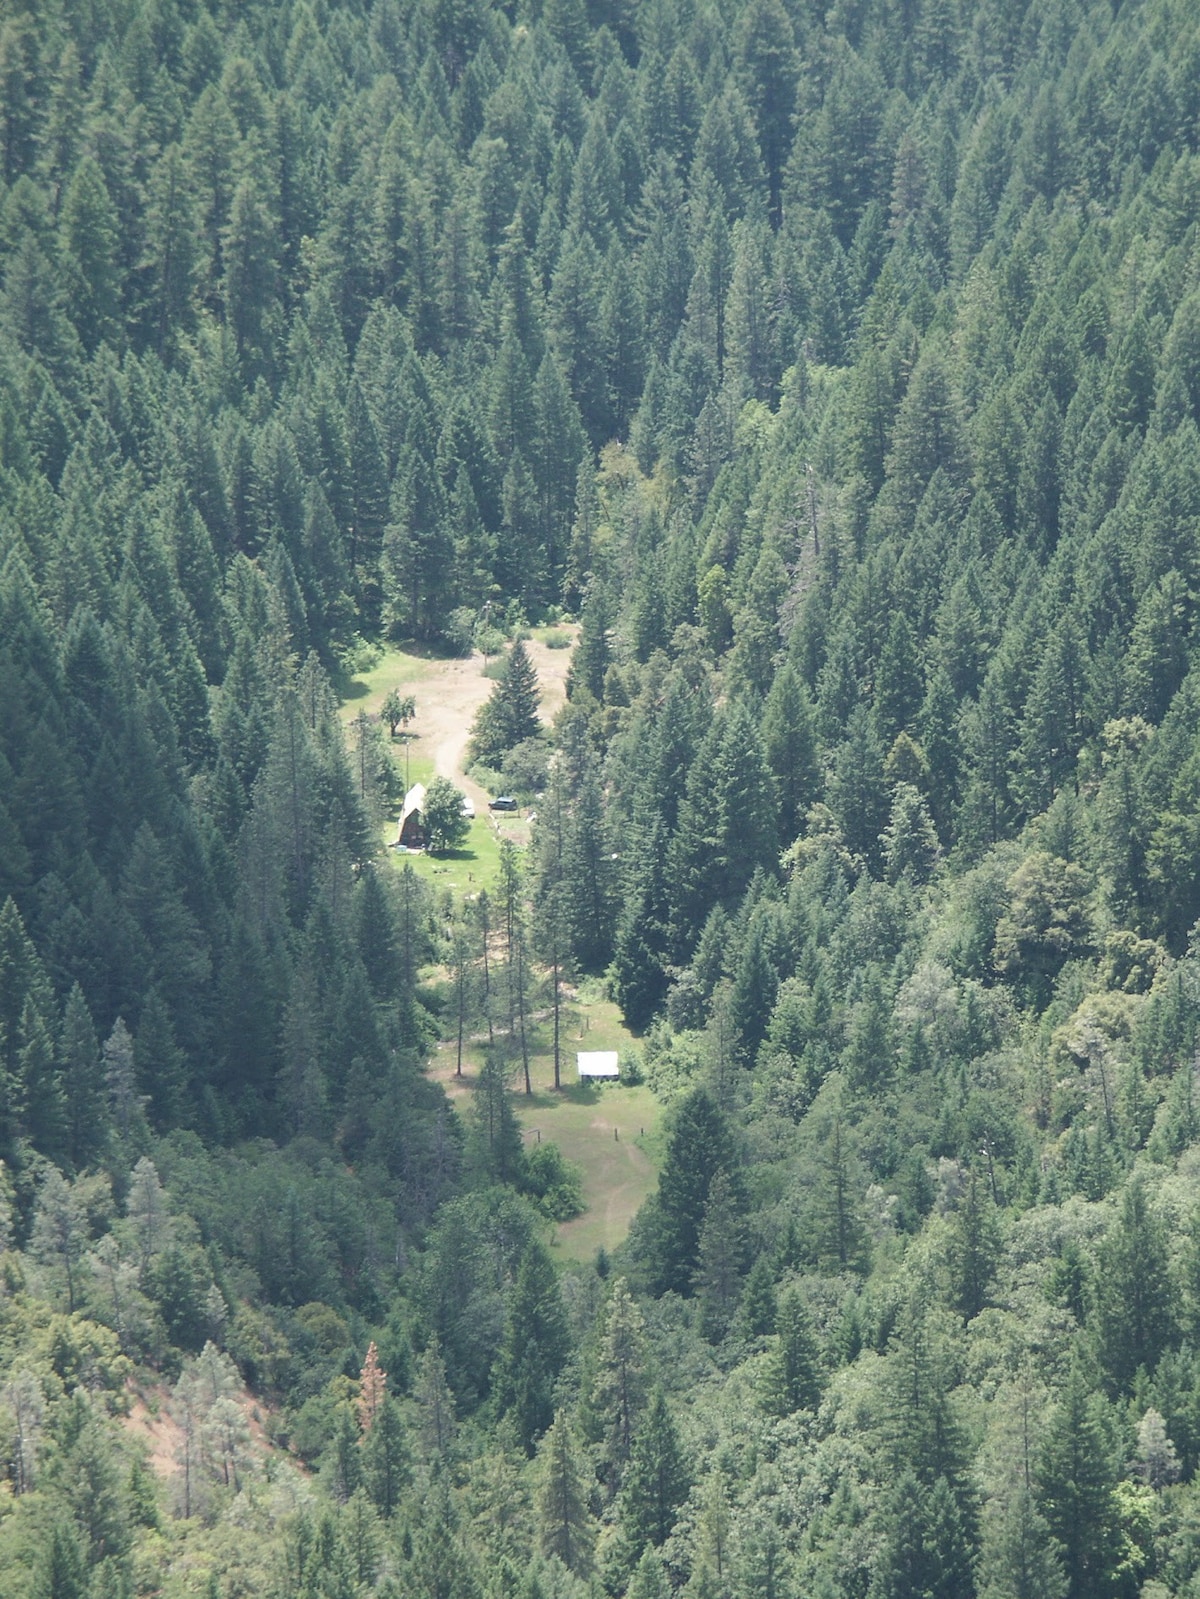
(494, 1147)
(83, 1083)
(533, 1350)
(910, 843)
(755, 983)
(442, 1565)
(649, 1580)
(510, 715)
(789, 744)
(592, 655)
(588, 877)
(719, 1256)
(60, 1232)
(417, 551)
(791, 1376)
(974, 1250)
(988, 745)
(758, 1313)
(1075, 1490)
(857, 788)
(768, 69)
(65, 1572)
(840, 1235)
(1135, 1299)
(619, 1389)
(1019, 1558)
(641, 946)
(41, 1086)
(120, 1074)
(24, 992)
(91, 249)
(728, 825)
(436, 1405)
(386, 1460)
(700, 1145)
(937, 726)
(927, 1435)
(563, 1521)
(160, 1065)
(898, 686)
(656, 1481)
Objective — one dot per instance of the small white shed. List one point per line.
(598, 1063)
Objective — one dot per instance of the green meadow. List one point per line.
(609, 1130)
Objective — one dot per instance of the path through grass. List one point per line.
(448, 692)
(608, 1130)
(612, 1132)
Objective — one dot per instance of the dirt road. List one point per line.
(451, 692)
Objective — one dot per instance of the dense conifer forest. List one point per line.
(838, 370)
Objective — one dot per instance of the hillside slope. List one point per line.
(839, 370)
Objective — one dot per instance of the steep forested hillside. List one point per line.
(840, 370)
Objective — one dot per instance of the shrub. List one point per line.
(525, 769)
(554, 1183)
(445, 825)
(359, 655)
(459, 631)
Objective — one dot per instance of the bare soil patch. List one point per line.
(150, 1421)
(448, 695)
(449, 699)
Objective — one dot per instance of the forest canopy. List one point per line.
(837, 370)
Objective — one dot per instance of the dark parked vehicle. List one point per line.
(502, 802)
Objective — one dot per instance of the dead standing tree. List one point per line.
(515, 952)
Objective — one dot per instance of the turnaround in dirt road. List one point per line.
(448, 695)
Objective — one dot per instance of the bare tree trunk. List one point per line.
(461, 956)
(485, 929)
(557, 1070)
(521, 1012)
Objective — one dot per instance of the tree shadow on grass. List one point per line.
(582, 1093)
(546, 1096)
(426, 650)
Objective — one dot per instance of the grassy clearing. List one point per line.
(412, 763)
(477, 863)
(612, 1132)
(474, 865)
(396, 669)
(604, 1130)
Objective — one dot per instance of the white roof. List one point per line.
(598, 1063)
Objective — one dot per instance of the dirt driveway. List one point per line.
(450, 693)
